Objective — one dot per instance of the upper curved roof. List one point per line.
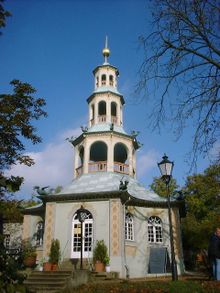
(106, 127)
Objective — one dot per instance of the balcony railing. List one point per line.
(92, 121)
(114, 119)
(121, 168)
(79, 171)
(100, 166)
(102, 118)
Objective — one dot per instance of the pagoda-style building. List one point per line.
(132, 221)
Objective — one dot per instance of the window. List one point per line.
(129, 227)
(111, 80)
(87, 236)
(39, 233)
(7, 241)
(155, 230)
(103, 79)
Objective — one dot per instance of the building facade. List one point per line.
(132, 221)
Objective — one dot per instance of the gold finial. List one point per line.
(106, 51)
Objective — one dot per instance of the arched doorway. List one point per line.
(87, 236)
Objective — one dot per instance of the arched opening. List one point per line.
(98, 157)
(103, 79)
(114, 112)
(92, 114)
(102, 111)
(39, 233)
(79, 169)
(111, 80)
(87, 236)
(129, 227)
(120, 159)
(155, 231)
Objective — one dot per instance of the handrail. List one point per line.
(100, 166)
(121, 168)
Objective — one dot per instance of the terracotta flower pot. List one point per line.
(30, 261)
(47, 266)
(54, 266)
(99, 266)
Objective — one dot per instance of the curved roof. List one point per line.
(109, 182)
(102, 89)
(106, 127)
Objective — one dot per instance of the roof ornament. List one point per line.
(106, 51)
(123, 186)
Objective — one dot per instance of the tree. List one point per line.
(159, 186)
(203, 208)
(182, 65)
(3, 15)
(18, 111)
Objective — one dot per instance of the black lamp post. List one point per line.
(82, 214)
(166, 168)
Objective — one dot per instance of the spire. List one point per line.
(106, 51)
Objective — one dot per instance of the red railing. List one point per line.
(121, 168)
(102, 118)
(100, 166)
(114, 119)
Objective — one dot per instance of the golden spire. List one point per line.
(106, 51)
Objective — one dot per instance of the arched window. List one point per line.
(103, 79)
(155, 231)
(121, 158)
(39, 233)
(111, 80)
(98, 157)
(87, 236)
(102, 108)
(129, 227)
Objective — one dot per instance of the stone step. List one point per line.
(52, 281)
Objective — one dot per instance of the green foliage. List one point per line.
(159, 186)
(54, 255)
(28, 249)
(100, 252)
(203, 208)
(18, 111)
(9, 267)
(3, 15)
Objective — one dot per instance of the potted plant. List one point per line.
(107, 264)
(54, 255)
(100, 255)
(29, 253)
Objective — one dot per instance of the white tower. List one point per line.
(104, 146)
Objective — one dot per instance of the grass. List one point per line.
(182, 286)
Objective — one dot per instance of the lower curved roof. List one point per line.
(109, 182)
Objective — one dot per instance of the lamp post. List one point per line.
(82, 214)
(166, 168)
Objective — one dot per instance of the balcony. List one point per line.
(121, 168)
(102, 118)
(114, 119)
(98, 166)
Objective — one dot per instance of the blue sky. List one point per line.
(54, 45)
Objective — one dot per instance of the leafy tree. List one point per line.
(182, 65)
(203, 208)
(3, 15)
(159, 186)
(18, 111)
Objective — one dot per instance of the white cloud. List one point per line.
(53, 165)
(146, 162)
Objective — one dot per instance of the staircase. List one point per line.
(42, 282)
